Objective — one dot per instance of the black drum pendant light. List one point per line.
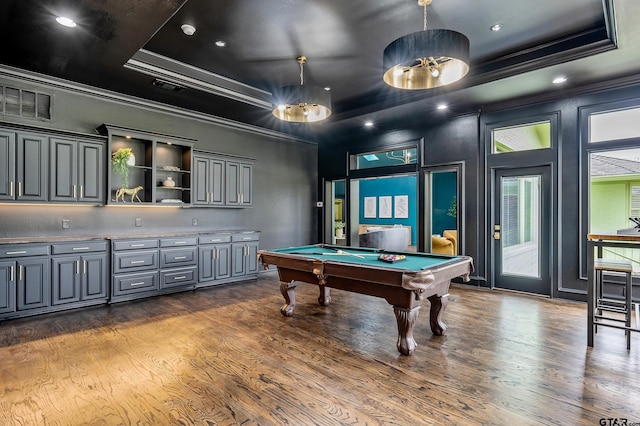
(302, 104)
(426, 59)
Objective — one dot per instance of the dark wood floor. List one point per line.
(226, 356)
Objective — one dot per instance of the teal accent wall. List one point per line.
(443, 193)
(391, 186)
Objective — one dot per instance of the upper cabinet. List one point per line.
(222, 181)
(40, 167)
(76, 171)
(148, 168)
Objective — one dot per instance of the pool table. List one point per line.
(404, 284)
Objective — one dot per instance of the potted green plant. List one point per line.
(120, 164)
(339, 228)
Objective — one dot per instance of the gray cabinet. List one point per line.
(80, 272)
(245, 254)
(214, 258)
(209, 180)
(7, 165)
(7, 286)
(76, 171)
(222, 181)
(148, 267)
(25, 282)
(23, 166)
(239, 185)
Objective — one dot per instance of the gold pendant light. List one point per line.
(302, 104)
(426, 59)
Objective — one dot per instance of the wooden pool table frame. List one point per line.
(404, 289)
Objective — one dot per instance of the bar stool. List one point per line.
(609, 305)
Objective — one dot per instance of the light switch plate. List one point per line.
(66, 223)
(138, 221)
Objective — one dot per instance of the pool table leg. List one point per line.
(288, 290)
(438, 305)
(406, 319)
(325, 297)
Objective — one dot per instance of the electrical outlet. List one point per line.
(194, 221)
(138, 221)
(66, 223)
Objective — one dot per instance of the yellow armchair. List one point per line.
(447, 244)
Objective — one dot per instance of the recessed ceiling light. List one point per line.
(188, 29)
(221, 43)
(327, 88)
(67, 22)
(496, 27)
(442, 106)
(559, 79)
(368, 123)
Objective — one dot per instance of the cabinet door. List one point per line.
(34, 283)
(7, 287)
(206, 263)
(91, 174)
(95, 278)
(246, 184)
(238, 252)
(217, 182)
(63, 170)
(7, 165)
(32, 166)
(223, 261)
(66, 280)
(251, 258)
(233, 185)
(201, 180)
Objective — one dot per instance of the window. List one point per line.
(389, 158)
(614, 125)
(521, 138)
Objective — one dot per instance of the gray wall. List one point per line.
(285, 177)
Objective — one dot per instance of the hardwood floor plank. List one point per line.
(226, 356)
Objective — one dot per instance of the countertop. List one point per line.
(61, 238)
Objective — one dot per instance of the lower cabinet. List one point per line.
(148, 267)
(214, 259)
(37, 278)
(80, 272)
(41, 278)
(245, 254)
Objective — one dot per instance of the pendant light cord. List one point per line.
(301, 73)
(425, 16)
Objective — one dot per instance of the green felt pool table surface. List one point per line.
(367, 256)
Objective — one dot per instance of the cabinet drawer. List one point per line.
(215, 238)
(23, 250)
(134, 244)
(79, 247)
(171, 258)
(245, 236)
(135, 261)
(135, 283)
(179, 277)
(178, 242)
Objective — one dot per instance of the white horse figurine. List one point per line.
(120, 193)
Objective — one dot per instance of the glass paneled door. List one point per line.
(521, 230)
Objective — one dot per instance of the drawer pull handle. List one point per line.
(180, 257)
(16, 252)
(217, 240)
(181, 277)
(180, 242)
(137, 245)
(136, 262)
(138, 283)
(81, 248)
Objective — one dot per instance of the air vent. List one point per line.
(25, 103)
(167, 86)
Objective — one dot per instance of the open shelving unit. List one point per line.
(157, 158)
